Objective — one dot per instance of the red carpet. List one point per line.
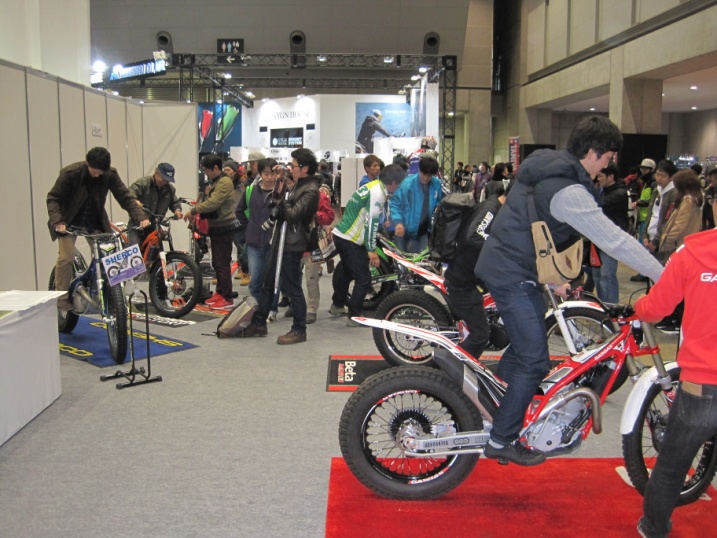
(562, 497)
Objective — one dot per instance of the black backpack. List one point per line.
(449, 218)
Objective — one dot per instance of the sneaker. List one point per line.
(245, 279)
(645, 533)
(284, 302)
(310, 317)
(667, 327)
(638, 278)
(214, 297)
(253, 330)
(292, 337)
(289, 312)
(515, 452)
(271, 318)
(221, 304)
(351, 323)
(335, 310)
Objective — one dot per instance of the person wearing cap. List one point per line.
(156, 194)
(253, 172)
(708, 213)
(78, 199)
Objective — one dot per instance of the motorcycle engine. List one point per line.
(561, 428)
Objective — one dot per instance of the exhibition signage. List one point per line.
(123, 265)
(229, 50)
(292, 137)
(147, 68)
(514, 151)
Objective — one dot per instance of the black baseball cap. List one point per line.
(166, 170)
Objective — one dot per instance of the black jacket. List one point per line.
(614, 204)
(460, 271)
(508, 256)
(70, 193)
(298, 211)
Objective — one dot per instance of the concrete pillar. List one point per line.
(635, 104)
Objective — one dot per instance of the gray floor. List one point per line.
(236, 441)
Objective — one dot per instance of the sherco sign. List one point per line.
(292, 137)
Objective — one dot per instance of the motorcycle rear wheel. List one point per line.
(377, 292)
(117, 326)
(404, 401)
(184, 274)
(640, 447)
(415, 308)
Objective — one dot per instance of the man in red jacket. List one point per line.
(690, 274)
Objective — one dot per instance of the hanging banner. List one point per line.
(514, 152)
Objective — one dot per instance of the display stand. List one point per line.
(135, 376)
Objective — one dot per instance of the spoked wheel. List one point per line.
(417, 309)
(641, 446)
(393, 407)
(378, 290)
(169, 297)
(588, 329)
(66, 321)
(116, 311)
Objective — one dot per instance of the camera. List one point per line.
(271, 221)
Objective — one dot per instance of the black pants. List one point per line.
(221, 245)
(354, 260)
(467, 302)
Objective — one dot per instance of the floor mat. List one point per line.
(88, 343)
(564, 497)
(347, 372)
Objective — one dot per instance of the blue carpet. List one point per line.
(88, 342)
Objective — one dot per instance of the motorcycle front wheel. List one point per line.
(171, 298)
(116, 311)
(397, 404)
(417, 309)
(640, 447)
(378, 290)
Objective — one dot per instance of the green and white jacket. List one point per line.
(362, 215)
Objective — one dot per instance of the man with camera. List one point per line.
(297, 199)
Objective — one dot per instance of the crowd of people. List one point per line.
(267, 211)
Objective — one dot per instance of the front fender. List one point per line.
(637, 397)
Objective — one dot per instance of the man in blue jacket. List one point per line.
(412, 206)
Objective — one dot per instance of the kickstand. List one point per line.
(134, 373)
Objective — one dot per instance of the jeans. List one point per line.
(354, 261)
(467, 301)
(414, 245)
(242, 254)
(258, 257)
(221, 246)
(605, 277)
(692, 421)
(525, 361)
(290, 278)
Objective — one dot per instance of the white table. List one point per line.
(29, 357)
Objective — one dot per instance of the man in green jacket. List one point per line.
(156, 194)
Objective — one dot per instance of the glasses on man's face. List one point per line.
(292, 166)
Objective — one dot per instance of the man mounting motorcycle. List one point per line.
(566, 201)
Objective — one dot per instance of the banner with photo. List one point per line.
(374, 120)
(219, 126)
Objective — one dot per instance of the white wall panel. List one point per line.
(95, 119)
(117, 146)
(135, 140)
(44, 124)
(17, 268)
(72, 123)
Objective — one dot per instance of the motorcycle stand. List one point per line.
(134, 373)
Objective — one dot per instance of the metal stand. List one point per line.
(134, 373)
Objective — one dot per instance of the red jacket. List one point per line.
(690, 274)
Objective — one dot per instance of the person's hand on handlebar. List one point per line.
(144, 223)
(61, 229)
(562, 290)
(178, 214)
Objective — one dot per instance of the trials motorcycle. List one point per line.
(416, 433)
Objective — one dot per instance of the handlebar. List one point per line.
(83, 232)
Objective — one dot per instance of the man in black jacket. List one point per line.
(614, 200)
(461, 282)
(296, 206)
(78, 199)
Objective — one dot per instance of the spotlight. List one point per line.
(422, 69)
(227, 75)
(321, 58)
(99, 66)
(388, 59)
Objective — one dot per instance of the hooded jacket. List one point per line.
(690, 274)
(407, 202)
(508, 256)
(73, 189)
